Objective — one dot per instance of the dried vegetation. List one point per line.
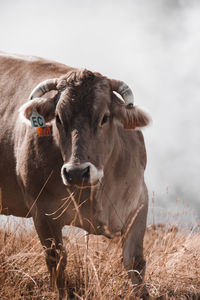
(95, 270)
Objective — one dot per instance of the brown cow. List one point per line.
(89, 152)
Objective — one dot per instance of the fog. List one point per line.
(152, 45)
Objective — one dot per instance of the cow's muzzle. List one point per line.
(81, 175)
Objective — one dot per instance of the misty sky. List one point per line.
(152, 45)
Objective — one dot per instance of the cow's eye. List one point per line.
(104, 120)
(58, 119)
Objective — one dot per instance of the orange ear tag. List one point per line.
(130, 127)
(44, 131)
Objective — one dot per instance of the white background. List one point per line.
(152, 45)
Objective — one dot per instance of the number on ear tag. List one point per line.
(44, 131)
(37, 120)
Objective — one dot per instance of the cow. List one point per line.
(71, 145)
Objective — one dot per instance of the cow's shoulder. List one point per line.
(142, 148)
(135, 145)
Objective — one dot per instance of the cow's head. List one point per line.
(87, 119)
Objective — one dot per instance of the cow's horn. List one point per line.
(124, 90)
(43, 87)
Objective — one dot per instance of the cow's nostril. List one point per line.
(86, 173)
(76, 175)
(67, 175)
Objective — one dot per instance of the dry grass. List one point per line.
(95, 270)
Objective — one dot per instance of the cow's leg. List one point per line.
(50, 234)
(133, 259)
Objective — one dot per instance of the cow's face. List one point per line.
(87, 117)
(84, 128)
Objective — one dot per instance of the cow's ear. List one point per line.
(45, 107)
(132, 117)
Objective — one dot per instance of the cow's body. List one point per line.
(30, 167)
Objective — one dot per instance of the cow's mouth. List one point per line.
(87, 186)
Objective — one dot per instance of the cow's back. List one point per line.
(18, 76)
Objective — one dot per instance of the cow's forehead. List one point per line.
(88, 95)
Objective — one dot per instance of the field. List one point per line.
(95, 270)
